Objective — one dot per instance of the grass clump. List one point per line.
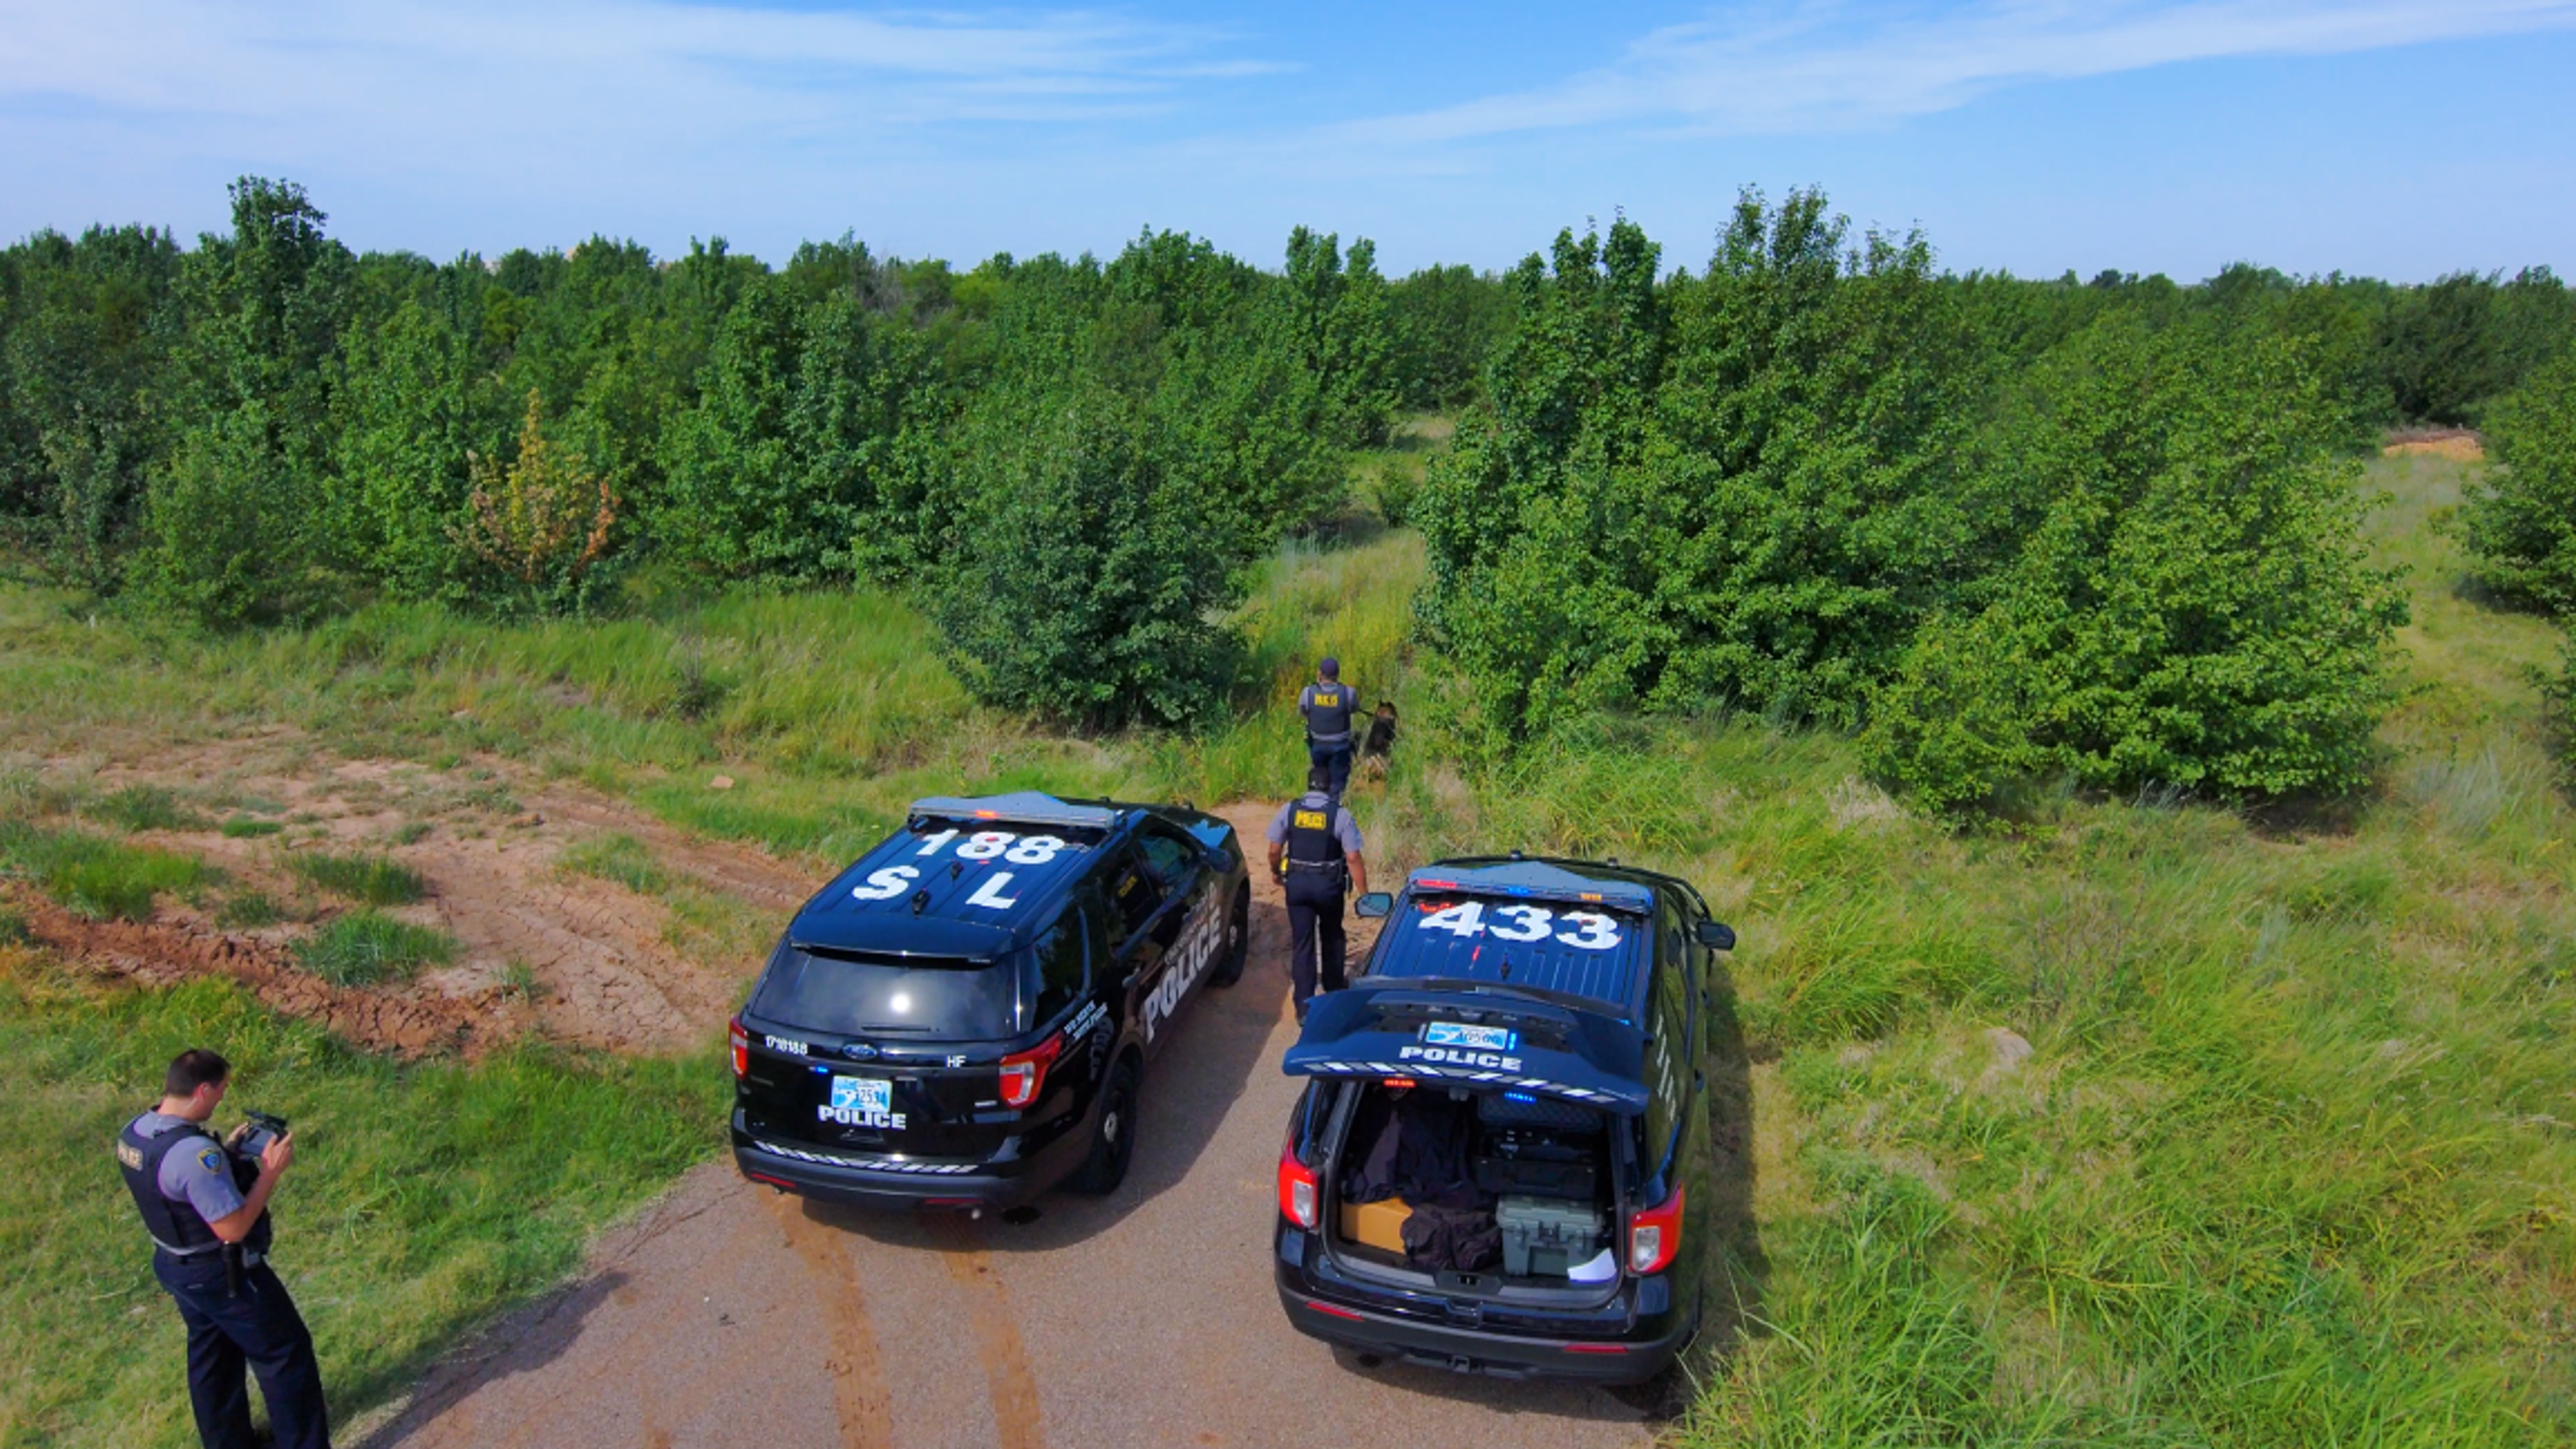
(369, 948)
(98, 878)
(146, 807)
(618, 858)
(373, 879)
(245, 827)
(248, 911)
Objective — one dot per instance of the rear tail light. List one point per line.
(1655, 1235)
(741, 1048)
(1023, 1073)
(1298, 1195)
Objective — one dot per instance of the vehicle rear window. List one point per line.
(1586, 950)
(861, 994)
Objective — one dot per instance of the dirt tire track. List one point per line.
(408, 1025)
(861, 1399)
(1019, 1420)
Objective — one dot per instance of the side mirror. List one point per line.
(1373, 905)
(1716, 935)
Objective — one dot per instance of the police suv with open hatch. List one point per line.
(962, 1017)
(1503, 1161)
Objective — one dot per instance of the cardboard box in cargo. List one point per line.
(1378, 1225)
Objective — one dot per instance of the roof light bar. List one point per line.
(1026, 807)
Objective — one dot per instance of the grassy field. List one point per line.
(2139, 1121)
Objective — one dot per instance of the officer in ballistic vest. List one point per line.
(206, 1207)
(1327, 705)
(1315, 849)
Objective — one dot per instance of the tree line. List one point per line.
(2005, 526)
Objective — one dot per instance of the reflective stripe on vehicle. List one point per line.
(866, 1164)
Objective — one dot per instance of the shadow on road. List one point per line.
(1221, 1041)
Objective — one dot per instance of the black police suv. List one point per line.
(1503, 1162)
(961, 1018)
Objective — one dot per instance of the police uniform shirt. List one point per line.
(1346, 831)
(200, 1175)
(1336, 702)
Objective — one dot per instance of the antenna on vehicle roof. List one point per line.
(956, 868)
(920, 899)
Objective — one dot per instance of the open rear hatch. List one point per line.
(1485, 1145)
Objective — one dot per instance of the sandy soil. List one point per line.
(2458, 444)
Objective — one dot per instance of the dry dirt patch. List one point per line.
(2458, 444)
(610, 967)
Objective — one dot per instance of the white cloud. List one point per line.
(1833, 66)
(416, 72)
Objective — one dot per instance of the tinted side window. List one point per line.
(1133, 895)
(1057, 977)
(1167, 854)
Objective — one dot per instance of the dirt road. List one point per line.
(731, 1316)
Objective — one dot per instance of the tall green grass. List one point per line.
(96, 877)
(424, 1198)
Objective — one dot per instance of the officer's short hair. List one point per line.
(196, 1067)
(1319, 778)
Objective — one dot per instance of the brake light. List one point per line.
(1023, 1073)
(1298, 1194)
(741, 1048)
(1655, 1235)
(1399, 1084)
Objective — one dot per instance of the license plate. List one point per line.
(862, 1094)
(1479, 1038)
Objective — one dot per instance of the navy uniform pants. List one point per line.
(1334, 759)
(1315, 917)
(259, 1328)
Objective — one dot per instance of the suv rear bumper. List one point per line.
(829, 1178)
(1483, 1351)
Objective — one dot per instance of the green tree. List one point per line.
(2193, 608)
(2521, 523)
(85, 330)
(1078, 578)
(237, 519)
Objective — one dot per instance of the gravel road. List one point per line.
(728, 1315)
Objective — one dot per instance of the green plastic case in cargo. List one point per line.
(1544, 1236)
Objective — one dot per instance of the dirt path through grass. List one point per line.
(573, 914)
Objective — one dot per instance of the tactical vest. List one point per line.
(1328, 713)
(1311, 845)
(176, 1225)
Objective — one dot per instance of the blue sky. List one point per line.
(2398, 138)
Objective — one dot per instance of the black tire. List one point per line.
(1113, 1139)
(1238, 940)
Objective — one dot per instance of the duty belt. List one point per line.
(250, 1257)
(1314, 864)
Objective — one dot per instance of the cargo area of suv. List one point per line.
(1478, 1192)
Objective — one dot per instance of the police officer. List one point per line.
(210, 1234)
(1315, 848)
(1327, 705)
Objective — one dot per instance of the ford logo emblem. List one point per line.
(858, 1051)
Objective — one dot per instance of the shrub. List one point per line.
(2522, 524)
(2194, 608)
(374, 879)
(1081, 579)
(543, 522)
(366, 948)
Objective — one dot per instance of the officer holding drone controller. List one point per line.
(205, 1203)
